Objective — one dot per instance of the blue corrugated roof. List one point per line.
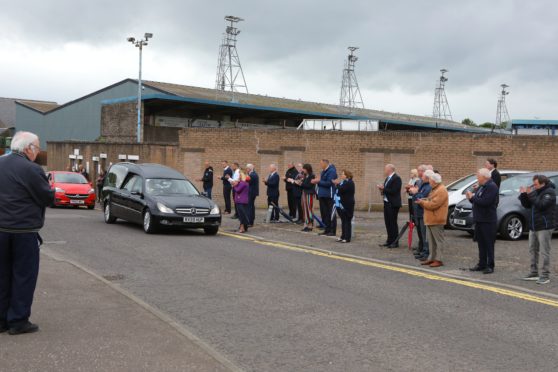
(533, 122)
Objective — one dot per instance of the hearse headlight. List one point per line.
(215, 210)
(58, 189)
(163, 208)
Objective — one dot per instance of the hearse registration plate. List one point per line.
(194, 219)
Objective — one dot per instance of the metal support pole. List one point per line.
(139, 94)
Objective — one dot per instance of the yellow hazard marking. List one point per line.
(417, 273)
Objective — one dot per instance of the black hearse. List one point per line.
(156, 196)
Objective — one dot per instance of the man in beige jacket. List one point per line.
(435, 217)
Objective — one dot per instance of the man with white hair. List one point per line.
(435, 217)
(420, 192)
(24, 194)
(272, 183)
(391, 193)
(485, 202)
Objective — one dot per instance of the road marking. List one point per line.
(412, 272)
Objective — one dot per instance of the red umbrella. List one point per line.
(410, 236)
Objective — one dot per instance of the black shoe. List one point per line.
(323, 233)
(330, 234)
(28, 327)
(477, 268)
(383, 245)
(391, 246)
(488, 270)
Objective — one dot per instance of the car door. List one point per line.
(136, 201)
(125, 198)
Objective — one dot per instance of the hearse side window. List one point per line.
(134, 184)
(116, 176)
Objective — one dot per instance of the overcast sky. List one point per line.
(62, 49)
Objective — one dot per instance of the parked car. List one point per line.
(513, 219)
(71, 189)
(457, 189)
(156, 196)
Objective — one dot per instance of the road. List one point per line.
(272, 309)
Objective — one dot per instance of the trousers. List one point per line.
(539, 244)
(485, 233)
(19, 269)
(436, 241)
(326, 210)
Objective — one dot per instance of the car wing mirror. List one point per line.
(204, 194)
(137, 193)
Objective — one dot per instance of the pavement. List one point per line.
(88, 325)
(264, 303)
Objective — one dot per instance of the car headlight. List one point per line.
(92, 191)
(163, 208)
(58, 189)
(215, 210)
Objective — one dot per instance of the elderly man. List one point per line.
(542, 202)
(485, 202)
(272, 183)
(435, 217)
(421, 192)
(24, 194)
(326, 192)
(391, 193)
(253, 193)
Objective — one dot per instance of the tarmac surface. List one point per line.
(273, 306)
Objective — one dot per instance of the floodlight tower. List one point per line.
(229, 70)
(441, 107)
(350, 92)
(140, 43)
(502, 115)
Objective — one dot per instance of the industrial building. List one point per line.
(168, 107)
(534, 127)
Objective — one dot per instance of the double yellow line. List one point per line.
(417, 273)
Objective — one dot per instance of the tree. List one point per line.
(488, 125)
(468, 122)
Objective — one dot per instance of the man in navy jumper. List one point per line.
(24, 194)
(485, 202)
(326, 192)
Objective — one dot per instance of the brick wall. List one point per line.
(453, 154)
(119, 122)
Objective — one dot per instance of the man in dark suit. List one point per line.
(391, 194)
(272, 183)
(485, 202)
(291, 173)
(254, 192)
(492, 166)
(227, 188)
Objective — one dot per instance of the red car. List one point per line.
(71, 189)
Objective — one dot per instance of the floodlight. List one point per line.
(131, 39)
(148, 35)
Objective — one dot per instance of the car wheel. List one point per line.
(148, 222)
(512, 227)
(109, 217)
(450, 212)
(211, 230)
(90, 207)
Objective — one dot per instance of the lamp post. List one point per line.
(140, 44)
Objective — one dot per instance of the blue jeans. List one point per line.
(419, 224)
(19, 269)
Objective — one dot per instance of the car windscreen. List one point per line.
(69, 178)
(166, 186)
(462, 182)
(511, 185)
